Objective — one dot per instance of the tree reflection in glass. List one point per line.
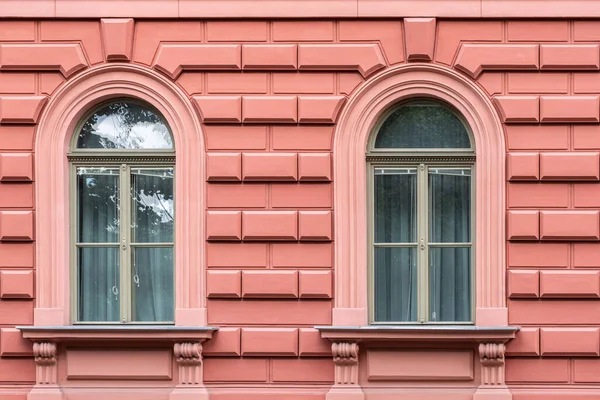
(124, 126)
(152, 211)
(125, 216)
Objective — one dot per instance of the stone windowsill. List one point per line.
(121, 333)
(418, 333)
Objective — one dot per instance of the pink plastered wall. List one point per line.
(266, 97)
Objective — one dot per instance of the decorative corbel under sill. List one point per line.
(489, 341)
(186, 342)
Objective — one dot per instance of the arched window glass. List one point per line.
(421, 227)
(422, 125)
(124, 125)
(123, 239)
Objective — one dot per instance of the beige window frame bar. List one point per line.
(422, 159)
(124, 161)
(422, 164)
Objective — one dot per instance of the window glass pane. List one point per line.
(152, 205)
(98, 205)
(153, 284)
(449, 205)
(124, 126)
(395, 284)
(98, 284)
(395, 205)
(450, 284)
(423, 125)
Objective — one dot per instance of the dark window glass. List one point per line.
(424, 125)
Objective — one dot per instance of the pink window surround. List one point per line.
(54, 133)
(350, 195)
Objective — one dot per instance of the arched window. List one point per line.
(122, 252)
(421, 160)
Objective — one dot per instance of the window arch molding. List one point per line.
(57, 124)
(354, 130)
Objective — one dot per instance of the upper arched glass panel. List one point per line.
(124, 125)
(422, 125)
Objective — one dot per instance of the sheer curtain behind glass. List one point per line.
(152, 243)
(125, 216)
(98, 244)
(449, 226)
(395, 265)
(421, 204)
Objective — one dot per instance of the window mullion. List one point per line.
(422, 237)
(426, 224)
(128, 264)
(124, 238)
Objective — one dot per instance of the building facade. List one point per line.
(299, 200)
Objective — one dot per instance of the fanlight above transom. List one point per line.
(422, 124)
(124, 125)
